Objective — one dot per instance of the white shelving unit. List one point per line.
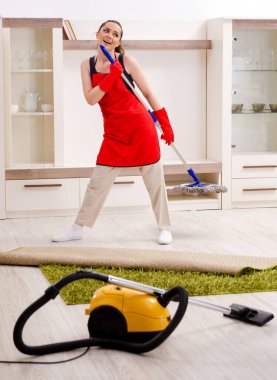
(242, 73)
(254, 131)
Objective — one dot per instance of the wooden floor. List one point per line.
(204, 346)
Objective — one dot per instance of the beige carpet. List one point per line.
(134, 258)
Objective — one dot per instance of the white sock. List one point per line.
(77, 227)
(165, 237)
(75, 232)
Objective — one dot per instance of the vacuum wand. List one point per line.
(157, 291)
(236, 311)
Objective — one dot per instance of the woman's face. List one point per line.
(109, 35)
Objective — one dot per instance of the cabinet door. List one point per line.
(126, 191)
(254, 100)
(254, 166)
(32, 110)
(254, 113)
(2, 134)
(42, 195)
(258, 191)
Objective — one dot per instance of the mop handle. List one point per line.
(110, 58)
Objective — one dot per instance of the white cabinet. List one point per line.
(242, 109)
(254, 85)
(254, 116)
(125, 192)
(260, 191)
(254, 166)
(42, 197)
(60, 191)
(33, 92)
(31, 124)
(254, 180)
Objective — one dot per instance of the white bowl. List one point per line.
(47, 107)
(14, 108)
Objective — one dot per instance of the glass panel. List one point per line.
(254, 97)
(32, 114)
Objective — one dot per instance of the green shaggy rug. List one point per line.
(248, 280)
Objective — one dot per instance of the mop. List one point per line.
(195, 188)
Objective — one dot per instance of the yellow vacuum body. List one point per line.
(125, 314)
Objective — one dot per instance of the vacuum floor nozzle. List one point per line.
(249, 315)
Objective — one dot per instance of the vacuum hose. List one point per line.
(176, 293)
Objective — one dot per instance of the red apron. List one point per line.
(130, 136)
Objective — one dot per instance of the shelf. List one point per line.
(254, 153)
(257, 24)
(184, 202)
(203, 166)
(32, 113)
(32, 22)
(32, 71)
(255, 70)
(142, 44)
(249, 112)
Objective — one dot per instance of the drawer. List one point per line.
(253, 166)
(42, 194)
(126, 191)
(254, 190)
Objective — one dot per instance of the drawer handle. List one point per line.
(261, 189)
(259, 166)
(45, 185)
(124, 183)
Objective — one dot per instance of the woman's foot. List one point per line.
(165, 237)
(75, 232)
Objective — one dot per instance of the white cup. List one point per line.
(47, 107)
(14, 108)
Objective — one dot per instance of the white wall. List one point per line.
(140, 9)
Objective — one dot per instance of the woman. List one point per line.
(130, 136)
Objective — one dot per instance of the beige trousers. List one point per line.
(101, 182)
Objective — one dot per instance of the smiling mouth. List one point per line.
(107, 42)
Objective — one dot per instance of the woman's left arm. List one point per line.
(133, 68)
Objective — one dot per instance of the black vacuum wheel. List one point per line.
(107, 322)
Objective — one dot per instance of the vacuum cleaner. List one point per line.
(195, 188)
(127, 315)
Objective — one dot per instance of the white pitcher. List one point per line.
(30, 101)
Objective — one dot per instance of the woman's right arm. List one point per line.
(92, 94)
